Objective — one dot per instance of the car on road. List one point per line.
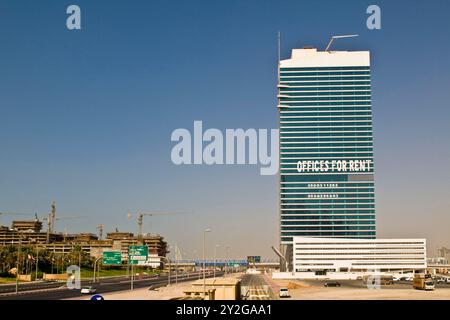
(332, 284)
(284, 293)
(88, 290)
(407, 279)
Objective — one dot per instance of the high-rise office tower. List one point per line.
(326, 146)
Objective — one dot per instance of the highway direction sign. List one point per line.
(253, 259)
(112, 257)
(137, 253)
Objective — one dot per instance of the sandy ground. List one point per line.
(306, 291)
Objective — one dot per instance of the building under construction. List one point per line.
(29, 232)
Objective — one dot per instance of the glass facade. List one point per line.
(326, 152)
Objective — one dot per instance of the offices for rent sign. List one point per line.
(314, 166)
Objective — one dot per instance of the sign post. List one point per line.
(112, 257)
(136, 254)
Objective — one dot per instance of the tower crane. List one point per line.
(13, 213)
(100, 228)
(140, 217)
(51, 220)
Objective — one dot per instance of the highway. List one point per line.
(30, 286)
(59, 291)
(254, 287)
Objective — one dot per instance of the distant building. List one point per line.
(119, 235)
(444, 253)
(31, 225)
(437, 261)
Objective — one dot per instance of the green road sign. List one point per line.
(253, 259)
(137, 253)
(112, 257)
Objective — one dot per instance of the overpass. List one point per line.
(220, 263)
(438, 268)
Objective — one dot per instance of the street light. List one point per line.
(204, 262)
(170, 266)
(95, 264)
(215, 253)
(19, 249)
(197, 261)
(37, 261)
(227, 249)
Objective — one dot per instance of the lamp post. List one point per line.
(176, 263)
(215, 255)
(170, 267)
(227, 250)
(37, 261)
(95, 264)
(204, 262)
(197, 260)
(19, 249)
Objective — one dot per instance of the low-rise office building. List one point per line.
(322, 255)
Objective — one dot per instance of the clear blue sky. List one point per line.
(86, 116)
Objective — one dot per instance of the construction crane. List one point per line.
(51, 223)
(13, 213)
(100, 228)
(140, 218)
(51, 220)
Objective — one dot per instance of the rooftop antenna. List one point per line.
(279, 55)
(339, 37)
(279, 46)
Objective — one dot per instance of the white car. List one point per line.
(284, 293)
(88, 290)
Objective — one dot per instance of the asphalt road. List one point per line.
(105, 286)
(29, 286)
(254, 287)
(250, 280)
(55, 284)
